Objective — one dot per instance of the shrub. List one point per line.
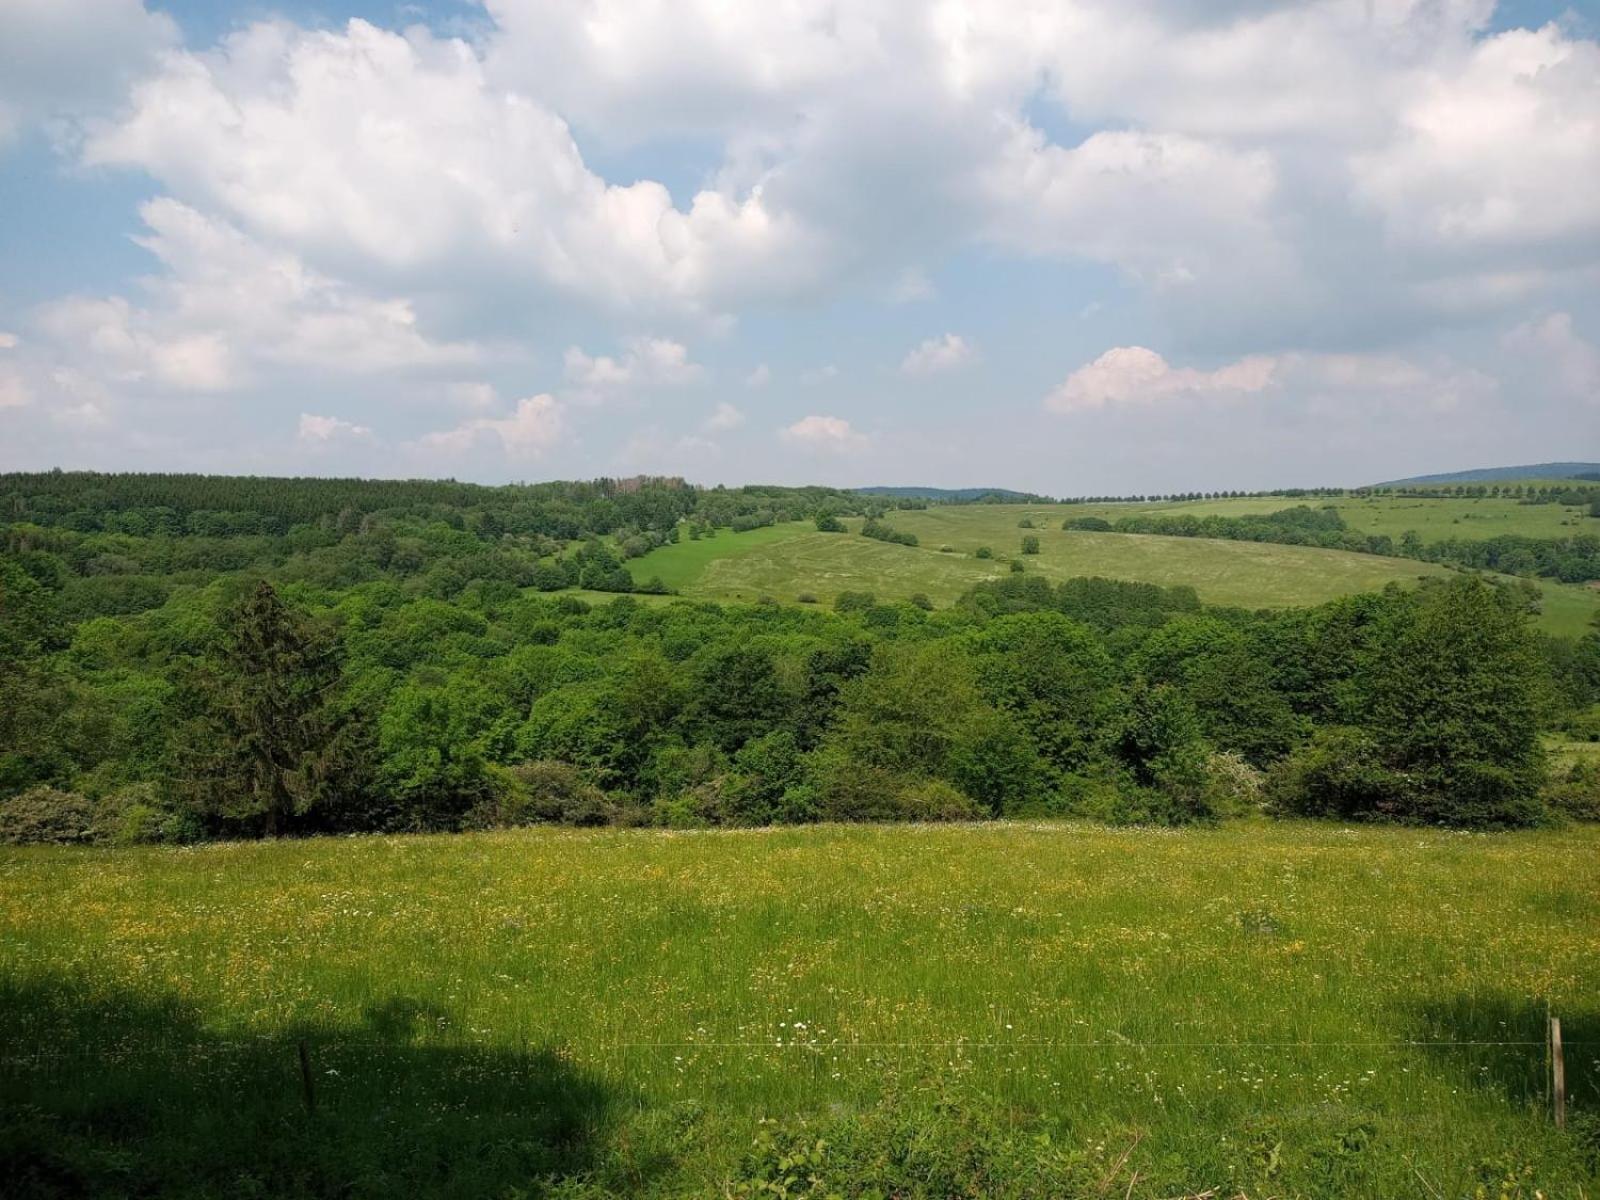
(936, 800)
(984, 552)
(828, 523)
(920, 600)
(1338, 774)
(1030, 544)
(140, 815)
(1087, 524)
(543, 791)
(854, 602)
(1025, 523)
(1576, 793)
(1232, 787)
(806, 598)
(46, 814)
(1017, 567)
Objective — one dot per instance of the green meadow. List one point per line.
(789, 561)
(992, 1010)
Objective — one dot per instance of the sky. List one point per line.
(1078, 247)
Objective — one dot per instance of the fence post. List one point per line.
(309, 1091)
(1558, 1074)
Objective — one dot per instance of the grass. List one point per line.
(790, 560)
(1045, 1010)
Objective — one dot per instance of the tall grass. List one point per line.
(999, 1009)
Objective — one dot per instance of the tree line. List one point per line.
(1574, 559)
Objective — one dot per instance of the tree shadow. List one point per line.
(110, 1093)
(1499, 1043)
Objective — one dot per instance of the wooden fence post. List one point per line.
(1558, 1074)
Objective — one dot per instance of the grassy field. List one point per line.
(1434, 520)
(1040, 1010)
(791, 560)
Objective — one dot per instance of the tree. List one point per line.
(1030, 544)
(270, 745)
(1452, 699)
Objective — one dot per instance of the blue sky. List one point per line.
(1080, 246)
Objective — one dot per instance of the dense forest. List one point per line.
(185, 658)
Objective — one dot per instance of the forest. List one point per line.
(186, 658)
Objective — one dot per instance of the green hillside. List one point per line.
(786, 562)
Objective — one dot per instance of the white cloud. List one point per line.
(823, 433)
(1133, 377)
(14, 389)
(937, 355)
(395, 155)
(760, 377)
(646, 362)
(817, 375)
(1560, 354)
(321, 431)
(68, 58)
(1499, 152)
(723, 418)
(8, 341)
(528, 432)
(1127, 375)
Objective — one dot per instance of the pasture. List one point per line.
(791, 560)
(1010, 1009)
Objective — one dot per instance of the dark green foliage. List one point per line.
(874, 528)
(265, 745)
(44, 814)
(828, 523)
(1030, 544)
(1087, 524)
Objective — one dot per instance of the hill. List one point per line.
(1560, 470)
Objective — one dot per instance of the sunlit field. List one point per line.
(790, 561)
(1027, 1010)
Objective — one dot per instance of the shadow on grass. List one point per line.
(1499, 1043)
(110, 1093)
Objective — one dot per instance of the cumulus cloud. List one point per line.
(1134, 377)
(723, 418)
(823, 433)
(937, 355)
(70, 58)
(321, 431)
(534, 426)
(394, 154)
(1131, 375)
(1560, 354)
(646, 362)
(760, 377)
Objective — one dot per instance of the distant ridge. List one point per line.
(1566, 470)
(955, 494)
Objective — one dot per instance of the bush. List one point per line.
(1030, 544)
(139, 815)
(1232, 787)
(1025, 523)
(1576, 793)
(920, 600)
(984, 552)
(1338, 774)
(46, 814)
(542, 791)
(828, 523)
(1087, 524)
(854, 602)
(806, 598)
(936, 800)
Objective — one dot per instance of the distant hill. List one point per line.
(956, 495)
(1566, 470)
